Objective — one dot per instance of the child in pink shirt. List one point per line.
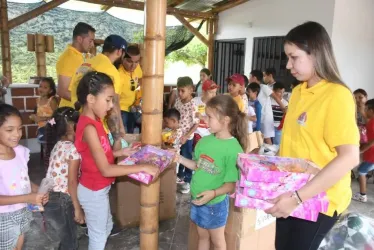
(15, 186)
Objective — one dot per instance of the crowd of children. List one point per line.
(207, 131)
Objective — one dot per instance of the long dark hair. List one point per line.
(51, 84)
(7, 110)
(61, 117)
(207, 72)
(225, 105)
(313, 38)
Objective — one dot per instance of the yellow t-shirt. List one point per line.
(67, 65)
(239, 100)
(99, 63)
(127, 97)
(319, 119)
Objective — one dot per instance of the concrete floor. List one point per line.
(173, 234)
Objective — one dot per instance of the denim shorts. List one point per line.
(365, 167)
(210, 216)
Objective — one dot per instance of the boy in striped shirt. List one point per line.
(278, 113)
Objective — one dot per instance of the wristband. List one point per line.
(295, 195)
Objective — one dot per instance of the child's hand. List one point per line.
(33, 117)
(183, 139)
(79, 216)
(35, 198)
(45, 199)
(198, 115)
(129, 151)
(204, 198)
(152, 170)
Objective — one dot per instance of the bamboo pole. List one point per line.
(34, 13)
(192, 29)
(41, 68)
(152, 90)
(135, 5)
(5, 41)
(211, 46)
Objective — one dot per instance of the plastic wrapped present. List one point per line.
(352, 231)
(308, 210)
(45, 187)
(289, 183)
(274, 169)
(148, 155)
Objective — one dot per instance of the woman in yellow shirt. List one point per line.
(320, 126)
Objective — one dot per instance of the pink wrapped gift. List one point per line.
(274, 169)
(148, 155)
(308, 210)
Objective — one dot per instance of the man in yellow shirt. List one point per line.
(130, 74)
(72, 58)
(113, 51)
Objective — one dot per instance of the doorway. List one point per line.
(228, 60)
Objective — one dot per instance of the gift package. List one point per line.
(266, 177)
(148, 155)
(45, 187)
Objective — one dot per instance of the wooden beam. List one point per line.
(152, 106)
(5, 41)
(211, 46)
(34, 13)
(105, 7)
(192, 29)
(228, 5)
(128, 4)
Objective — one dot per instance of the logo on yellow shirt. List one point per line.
(302, 119)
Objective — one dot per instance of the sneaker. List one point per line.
(115, 231)
(185, 188)
(180, 181)
(360, 197)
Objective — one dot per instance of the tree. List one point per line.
(193, 53)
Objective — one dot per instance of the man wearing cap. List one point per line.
(113, 52)
(209, 90)
(236, 83)
(72, 58)
(130, 73)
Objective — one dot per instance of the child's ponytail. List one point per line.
(225, 105)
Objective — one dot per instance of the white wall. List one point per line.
(272, 18)
(353, 41)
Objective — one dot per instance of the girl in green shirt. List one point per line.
(215, 169)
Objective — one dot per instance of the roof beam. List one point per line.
(174, 3)
(192, 29)
(34, 13)
(229, 5)
(105, 8)
(128, 4)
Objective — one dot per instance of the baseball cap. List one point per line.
(209, 85)
(237, 78)
(116, 41)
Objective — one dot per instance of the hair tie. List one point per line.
(52, 121)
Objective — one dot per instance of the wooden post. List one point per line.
(211, 45)
(41, 68)
(152, 90)
(5, 41)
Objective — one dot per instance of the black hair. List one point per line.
(7, 110)
(82, 29)
(278, 85)
(172, 113)
(132, 50)
(246, 81)
(92, 83)
(51, 83)
(184, 81)
(370, 104)
(258, 74)
(207, 72)
(270, 71)
(61, 117)
(360, 91)
(254, 87)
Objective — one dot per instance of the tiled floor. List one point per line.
(173, 234)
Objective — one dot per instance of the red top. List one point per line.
(91, 177)
(369, 154)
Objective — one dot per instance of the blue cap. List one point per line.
(116, 41)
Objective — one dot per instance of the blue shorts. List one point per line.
(365, 167)
(210, 216)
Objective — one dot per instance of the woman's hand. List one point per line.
(152, 170)
(79, 216)
(284, 205)
(204, 197)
